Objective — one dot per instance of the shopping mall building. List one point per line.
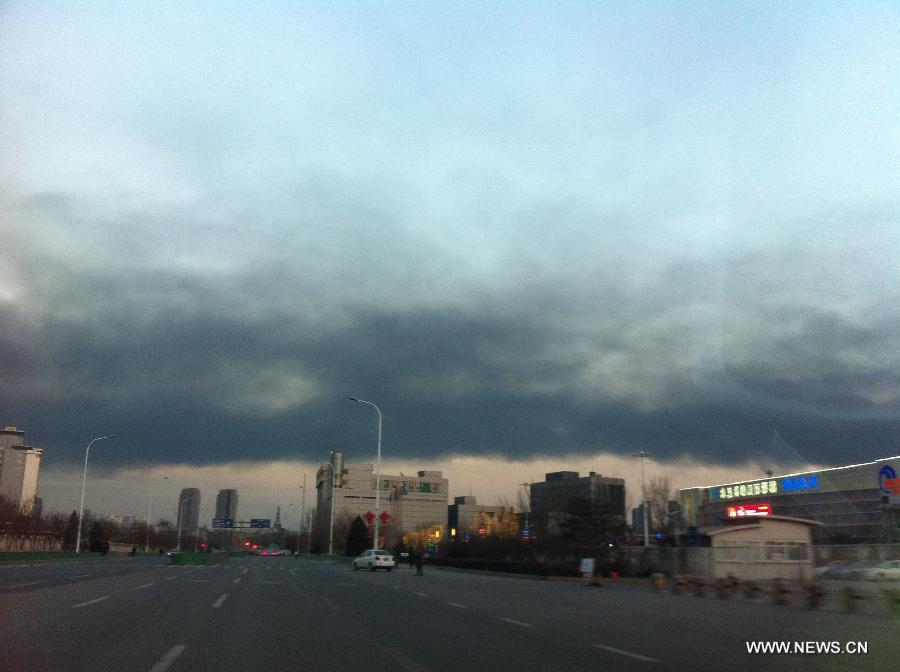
(859, 503)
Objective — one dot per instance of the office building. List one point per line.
(189, 509)
(226, 504)
(407, 503)
(858, 503)
(467, 518)
(551, 499)
(19, 468)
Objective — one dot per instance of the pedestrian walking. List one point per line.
(411, 557)
(419, 561)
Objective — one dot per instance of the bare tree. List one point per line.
(659, 492)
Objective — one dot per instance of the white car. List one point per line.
(886, 570)
(374, 559)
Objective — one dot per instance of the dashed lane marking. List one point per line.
(84, 604)
(622, 652)
(218, 603)
(166, 661)
(416, 592)
(79, 576)
(457, 604)
(169, 578)
(515, 622)
(237, 580)
(22, 585)
(146, 585)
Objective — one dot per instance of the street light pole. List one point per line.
(302, 512)
(377, 472)
(642, 455)
(83, 485)
(527, 485)
(331, 516)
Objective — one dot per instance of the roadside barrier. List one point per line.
(679, 583)
(751, 590)
(815, 594)
(852, 598)
(781, 592)
(700, 585)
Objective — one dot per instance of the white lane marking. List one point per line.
(515, 622)
(237, 580)
(245, 570)
(218, 603)
(418, 593)
(625, 653)
(270, 583)
(457, 604)
(162, 565)
(292, 572)
(84, 604)
(79, 576)
(198, 580)
(169, 578)
(22, 585)
(146, 585)
(166, 661)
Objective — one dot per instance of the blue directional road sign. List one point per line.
(223, 522)
(260, 522)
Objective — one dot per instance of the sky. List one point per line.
(538, 235)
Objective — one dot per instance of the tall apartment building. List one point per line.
(189, 509)
(407, 503)
(19, 467)
(226, 504)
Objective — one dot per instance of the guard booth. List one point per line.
(769, 547)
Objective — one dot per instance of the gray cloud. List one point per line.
(241, 336)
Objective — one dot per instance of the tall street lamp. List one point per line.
(377, 472)
(331, 515)
(87, 452)
(642, 455)
(302, 511)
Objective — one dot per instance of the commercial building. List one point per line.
(407, 503)
(466, 518)
(189, 510)
(551, 499)
(19, 468)
(858, 503)
(226, 504)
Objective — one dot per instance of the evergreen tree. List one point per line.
(71, 532)
(357, 538)
(96, 538)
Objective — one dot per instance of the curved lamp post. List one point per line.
(331, 516)
(377, 472)
(87, 453)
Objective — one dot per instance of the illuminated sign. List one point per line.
(888, 481)
(800, 483)
(749, 510)
(745, 490)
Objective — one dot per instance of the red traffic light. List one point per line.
(202, 545)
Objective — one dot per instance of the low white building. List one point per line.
(19, 468)
(407, 503)
(770, 547)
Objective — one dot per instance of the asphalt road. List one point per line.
(253, 614)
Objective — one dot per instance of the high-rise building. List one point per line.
(189, 509)
(19, 467)
(226, 504)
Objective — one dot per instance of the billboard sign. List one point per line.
(220, 523)
(260, 522)
(749, 510)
